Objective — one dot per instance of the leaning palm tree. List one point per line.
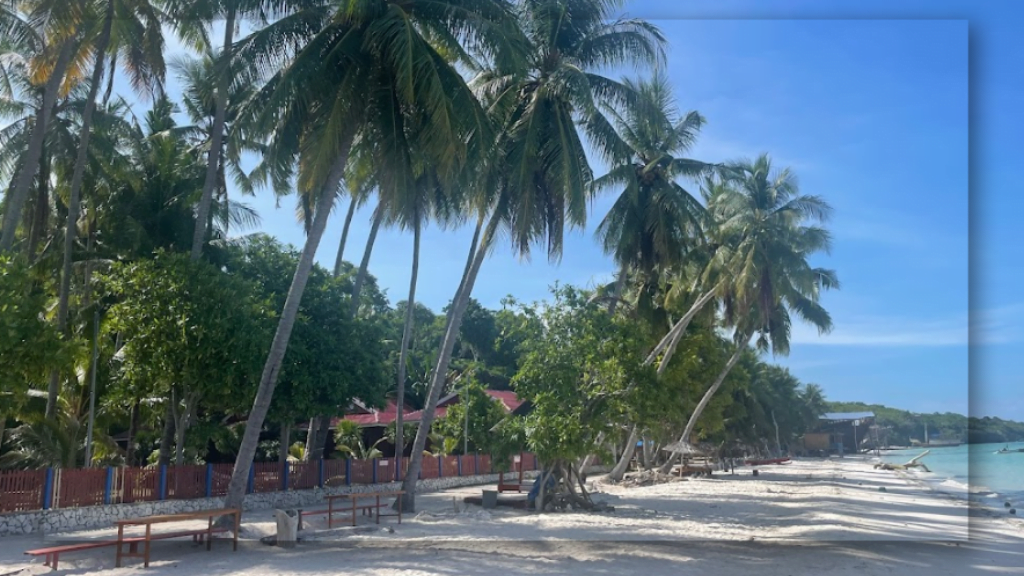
(52, 35)
(334, 72)
(770, 230)
(655, 223)
(536, 178)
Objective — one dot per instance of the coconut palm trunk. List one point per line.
(216, 138)
(41, 209)
(406, 339)
(440, 373)
(627, 455)
(364, 265)
(344, 236)
(692, 422)
(319, 426)
(74, 201)
(272, 368)
(30, 164)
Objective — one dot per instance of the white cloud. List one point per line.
(999, 325)
(887, 331)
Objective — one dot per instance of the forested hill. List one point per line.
(906, 425)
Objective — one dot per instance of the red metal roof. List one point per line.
(508, 398)
(364, 416)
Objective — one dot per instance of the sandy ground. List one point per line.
(820, 517)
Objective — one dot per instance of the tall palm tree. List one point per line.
(55, 64)
(537, 178)
(654, 221)
(334, 71)
(770, 230)
(140, 37)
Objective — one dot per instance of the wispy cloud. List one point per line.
(887, 331)
(999, 325)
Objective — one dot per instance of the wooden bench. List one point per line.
(355, 505)
(517, 485)
(52, 554)
(148, 521)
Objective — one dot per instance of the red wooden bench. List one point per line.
(52, 554)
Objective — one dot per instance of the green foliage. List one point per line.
(580, 369)
(348, 439)
(315, 377)
(188, 328)
(29, 345)
(484, 414)
(905, 426)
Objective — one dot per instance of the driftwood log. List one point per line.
(913, 463)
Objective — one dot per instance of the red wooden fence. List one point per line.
(68, 488)
(84, 487)
(22, 490)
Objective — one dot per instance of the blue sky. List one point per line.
(873, 114)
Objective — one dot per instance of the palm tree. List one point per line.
(54, 63)
(770, 231)
(654, 221)
(537, 178)
(142, 40)
(345, 68)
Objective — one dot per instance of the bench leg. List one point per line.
(209, 533)
(148, 543)
(120, 543)
(238, 527)
(56, 558)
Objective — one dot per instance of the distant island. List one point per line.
(903, 427)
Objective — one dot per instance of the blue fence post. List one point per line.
(476, 463)
(209, 480)
(320, 472)
(48, 489)
(252, 479)
(458, 460)
(374, 471)
(284, 477)
(163, 482)
(535, 462)
(440, 467)
(348, 471)
(108, 485)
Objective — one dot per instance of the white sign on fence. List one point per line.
(516, 459)
(382, 463)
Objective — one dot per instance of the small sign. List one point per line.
(856, 423)
(515, 459)
(382, 463)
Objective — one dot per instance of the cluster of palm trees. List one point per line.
(439, 111)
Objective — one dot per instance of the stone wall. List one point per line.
(68, 519)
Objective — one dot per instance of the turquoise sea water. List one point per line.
(973, 471)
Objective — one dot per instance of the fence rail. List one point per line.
(52, 488)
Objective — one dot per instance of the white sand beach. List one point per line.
(811, 516)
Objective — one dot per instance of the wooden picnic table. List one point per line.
(354, 497)
(148, 521)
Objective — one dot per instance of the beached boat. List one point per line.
(1009, 451)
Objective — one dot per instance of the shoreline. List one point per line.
(826, 515)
